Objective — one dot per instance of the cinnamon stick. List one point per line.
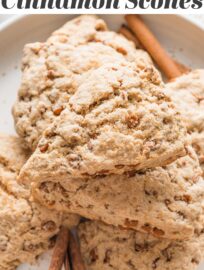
(60, 249)
(66, 262)
(75, 253)
(125, 31)
(153, 47)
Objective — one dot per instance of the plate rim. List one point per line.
(12, 20)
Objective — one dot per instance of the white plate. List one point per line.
(182, 38)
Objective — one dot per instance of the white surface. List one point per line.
(5, 17)
(181, 38)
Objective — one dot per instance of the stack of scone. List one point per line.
(107, 143)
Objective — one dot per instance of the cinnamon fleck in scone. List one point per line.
(117, 120)
(110, 248)
(26, 228)
(167, 202)
(51, 70)
(187, 92)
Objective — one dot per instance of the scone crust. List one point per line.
(50, 70)
(110, 248)
(187, 92)
(26, 228)
(166, 202)
(122, 123)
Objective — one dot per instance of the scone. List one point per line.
(117, 120)
(187, 92)
(110, 248)
(26, 228)
(167, 202)
(51, 70)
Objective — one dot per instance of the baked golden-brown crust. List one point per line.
(117, 120)
(50, 70)
(187, 92)
(26, 228)
(110, 248)
(167, 202)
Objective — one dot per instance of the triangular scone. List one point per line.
(26, 228)
(110, 248)
(50, 70)
(117, 120)
(187, 92)
(167, 202)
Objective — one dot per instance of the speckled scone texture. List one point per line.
(109, 248)
(51, 70)
(26, 228)
(167, 202)
(117, 120)
(198, 144)
(188, 94)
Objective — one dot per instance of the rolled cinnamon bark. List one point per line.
(60, 249)
(66, 262)
(75, 253)
(126, 32)
(153, 47)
